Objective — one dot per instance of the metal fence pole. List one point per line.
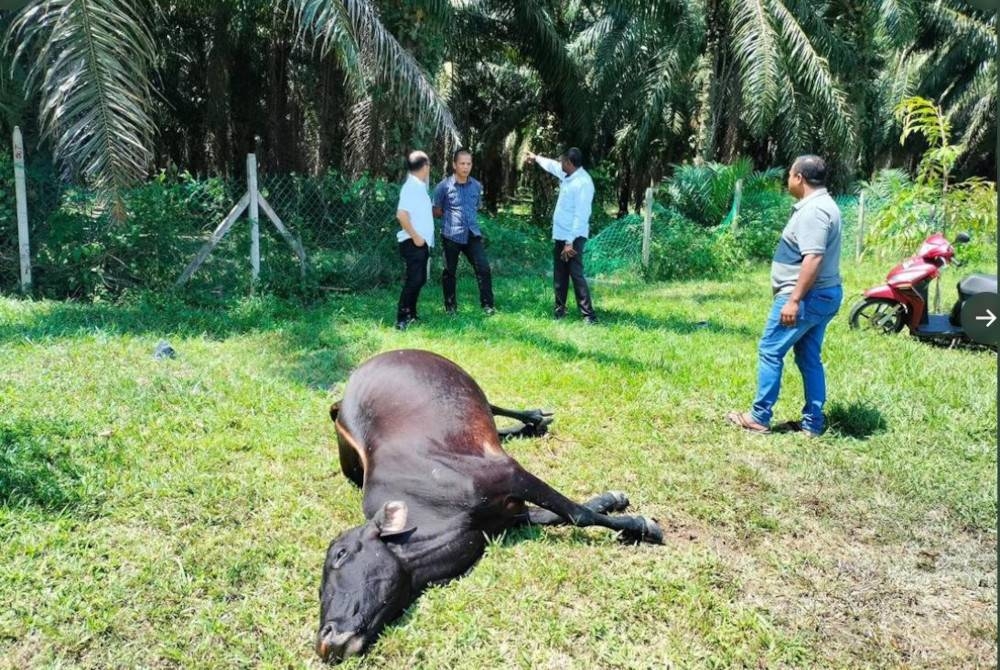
(23, 244)
(859, 246)
(254, 216)
(647, 227)
(737, 199)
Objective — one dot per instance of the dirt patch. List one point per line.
(927, 602)
(23, 653)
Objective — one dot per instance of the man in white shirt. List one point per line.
(570, 229)
(416, 218)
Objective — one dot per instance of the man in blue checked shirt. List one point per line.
(456, 201)
(570, 229)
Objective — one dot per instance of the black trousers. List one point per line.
(476, 254)
(562, 271)
(415, 259)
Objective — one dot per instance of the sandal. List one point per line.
(746, 422)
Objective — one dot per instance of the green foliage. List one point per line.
(82, 251)
(907, 211)
(605, 179)
(515, 246)
(902, 213)
(8, 206)
(89, 62)
(683, 249)
(347, 227)
(922, 117)
(697, 233)
(616, 247)
(704, 192)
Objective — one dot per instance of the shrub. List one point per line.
(904, 212)
(682, 249)
(703, 193)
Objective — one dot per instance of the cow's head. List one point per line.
(365, 585)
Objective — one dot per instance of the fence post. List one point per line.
(647, 226)
(737, 199)
(859, 246)
(23, 243)
(254, 216)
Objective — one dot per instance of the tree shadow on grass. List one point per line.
(150, 314)
(859, 420)
(316, 347)
(672, 323)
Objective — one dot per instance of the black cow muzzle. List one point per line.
(333, 646)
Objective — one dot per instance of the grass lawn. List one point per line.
(176, 513)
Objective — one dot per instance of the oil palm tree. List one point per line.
(90, 63)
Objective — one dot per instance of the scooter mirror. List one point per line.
(962, 238)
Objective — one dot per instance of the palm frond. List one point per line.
(352, 27)
(90, 61)
(359, 135)
(814, 72)
(550, 56)
(667, 81)
(756, 50)
(982, 120)
(962, 28)
(897, 20)
(791, 127)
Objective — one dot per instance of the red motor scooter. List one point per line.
(902, 300)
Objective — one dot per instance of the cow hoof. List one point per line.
(616, 501)
(651, 533)
(540, 421)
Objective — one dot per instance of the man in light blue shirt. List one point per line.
(570, 229)
(416, 237)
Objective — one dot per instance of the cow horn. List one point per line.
(391, 519)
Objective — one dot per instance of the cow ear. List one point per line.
(391, 520)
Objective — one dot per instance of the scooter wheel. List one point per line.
(878, 315)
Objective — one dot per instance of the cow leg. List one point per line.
(536, 422)
(609, 501)
(632, 528)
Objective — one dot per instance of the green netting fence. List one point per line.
(347, 228)
(682, 248)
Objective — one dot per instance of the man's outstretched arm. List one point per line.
(547, 164)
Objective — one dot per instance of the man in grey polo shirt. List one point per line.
(805, 280)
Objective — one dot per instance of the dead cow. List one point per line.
(417, 434)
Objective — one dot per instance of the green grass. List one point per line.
(176, 513)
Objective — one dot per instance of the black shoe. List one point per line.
(591, 320)
(489, 311)
(406, 323)
(558, 316)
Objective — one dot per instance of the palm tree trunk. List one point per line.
(217, 86)
(624, 188)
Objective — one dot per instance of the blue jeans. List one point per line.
(816, 309)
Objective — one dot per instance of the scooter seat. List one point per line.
(976, 284)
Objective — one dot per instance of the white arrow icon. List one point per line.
(989, 319)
